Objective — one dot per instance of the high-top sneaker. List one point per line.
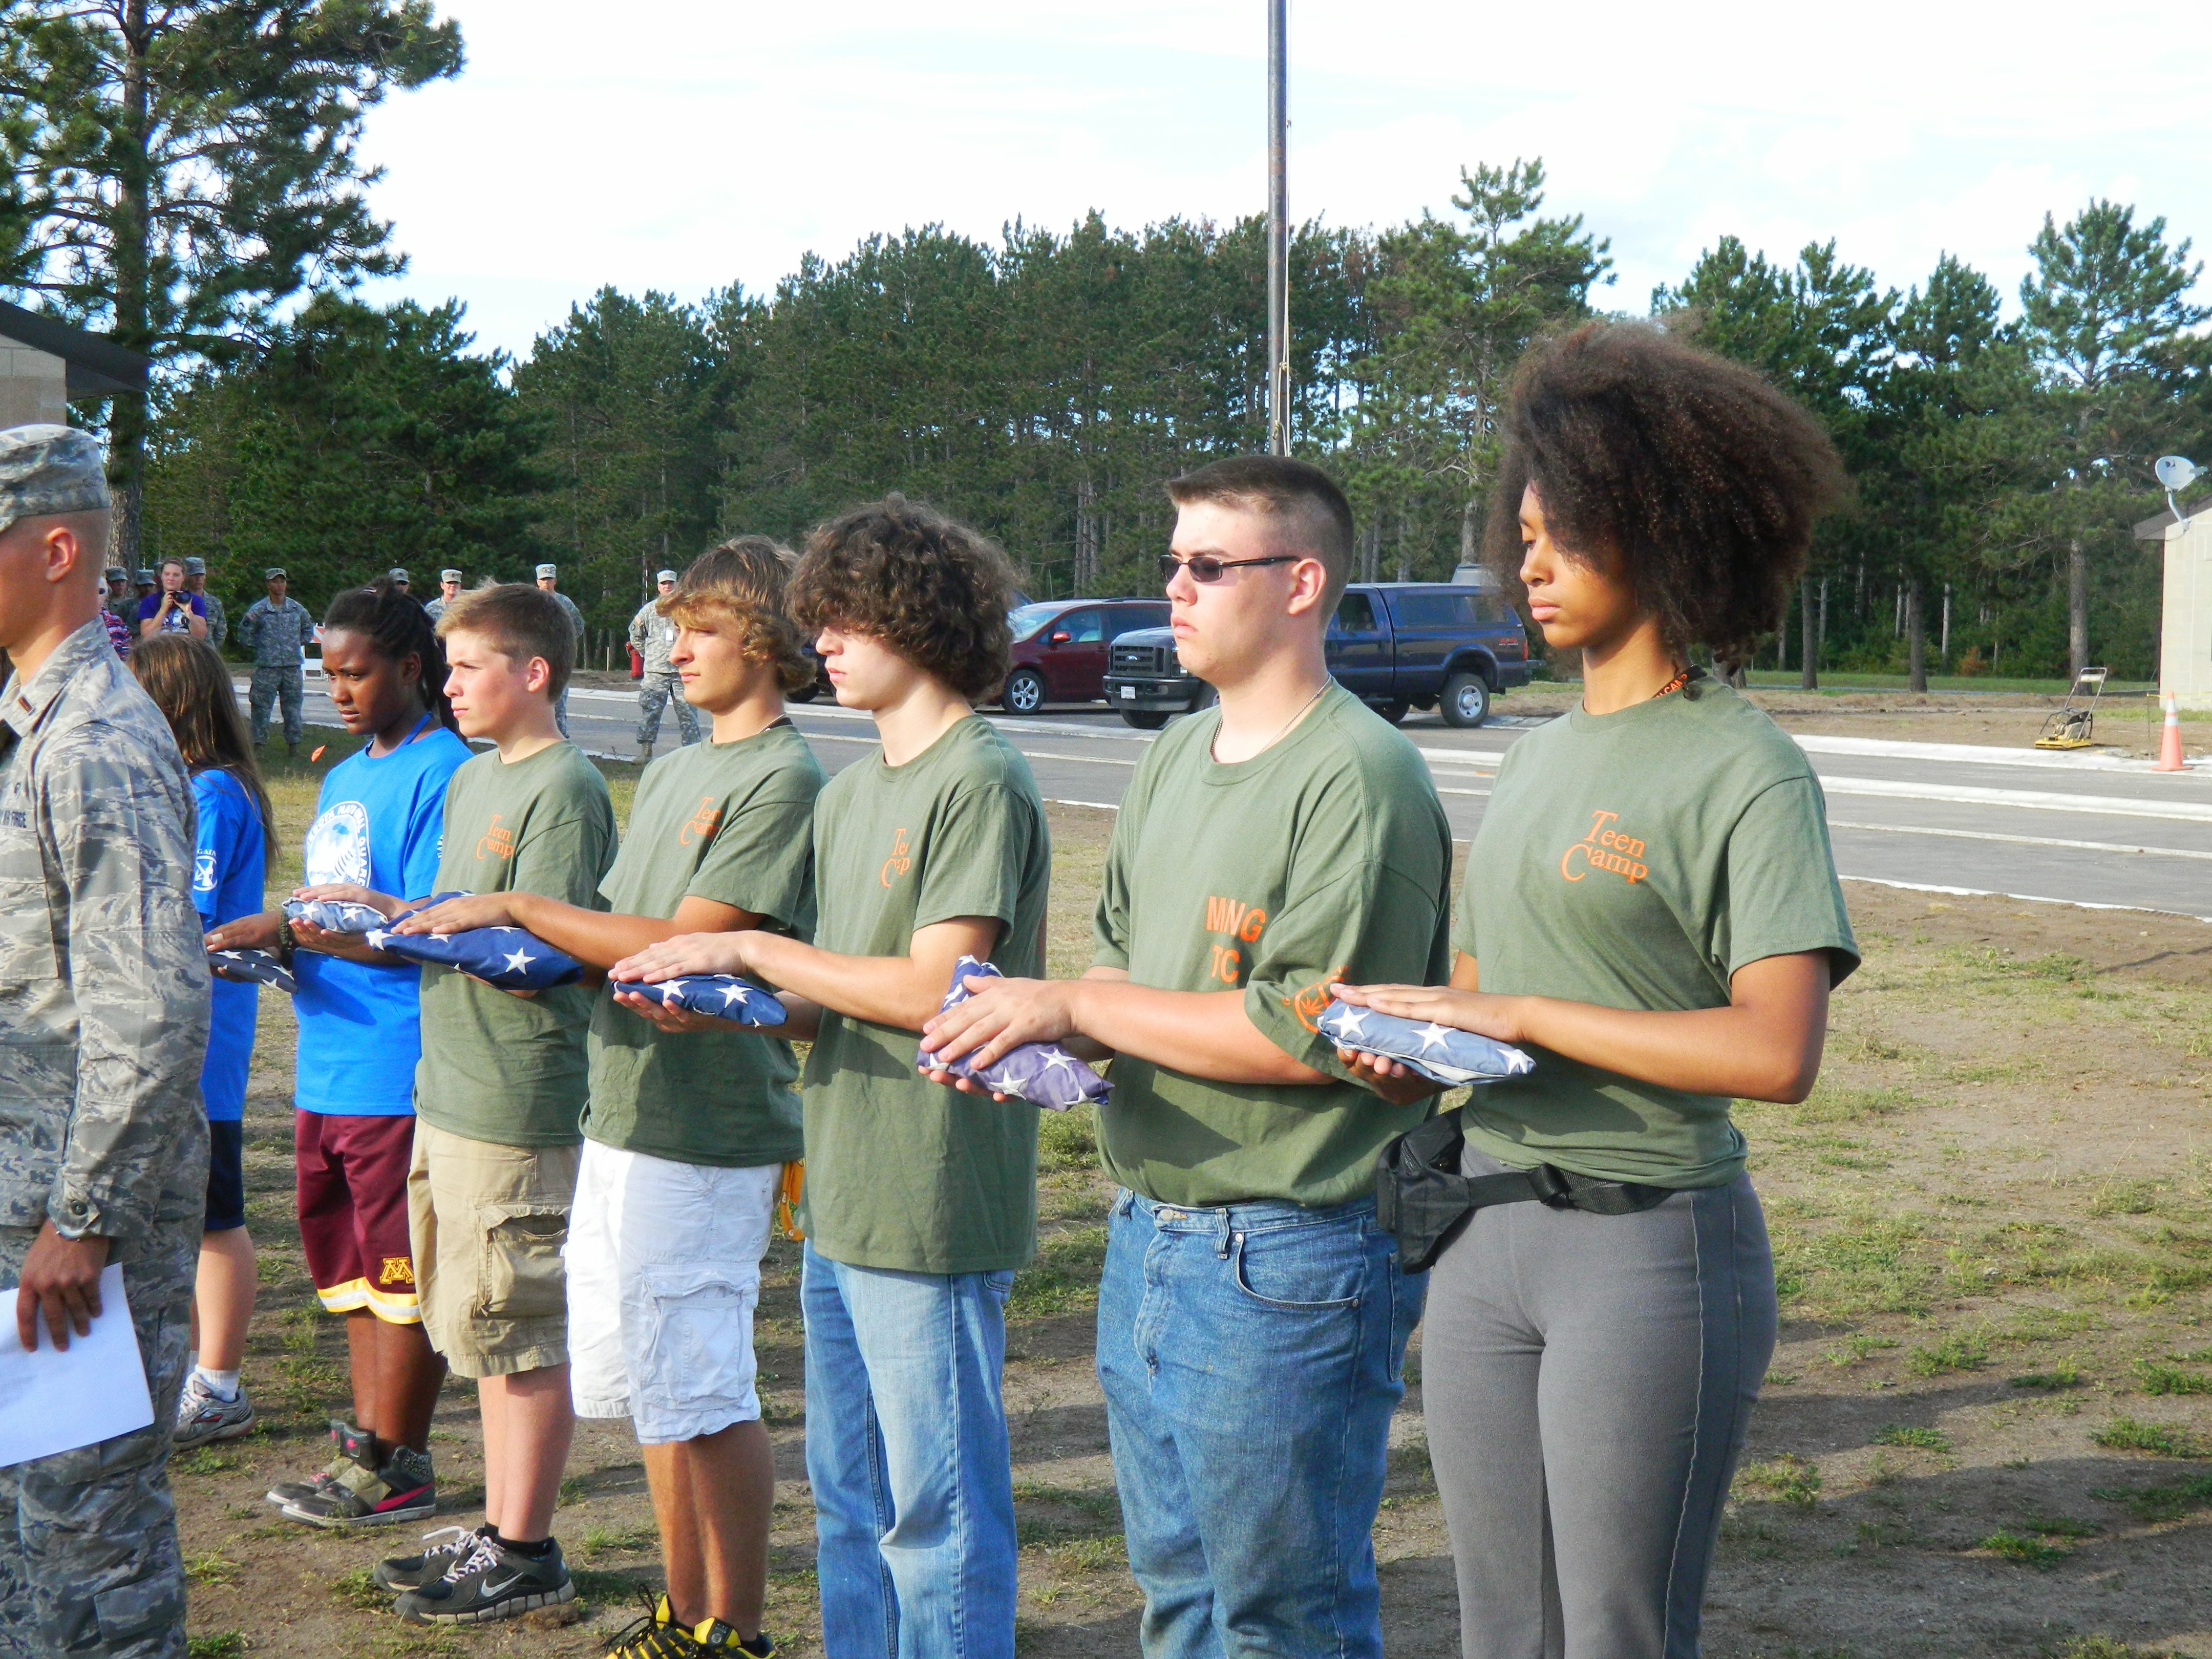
(291, 1492)
(362, 1493)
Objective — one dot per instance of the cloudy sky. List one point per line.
(687, 144)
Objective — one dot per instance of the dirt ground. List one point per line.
(1986, 1431)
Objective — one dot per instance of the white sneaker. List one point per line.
(202, 1416)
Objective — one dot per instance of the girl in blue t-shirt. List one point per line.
(377, 828)
(191, 687)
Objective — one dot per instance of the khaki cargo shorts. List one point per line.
(487, 1224)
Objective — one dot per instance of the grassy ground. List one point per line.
(1988, 1430)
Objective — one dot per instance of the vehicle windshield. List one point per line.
(1026, 619)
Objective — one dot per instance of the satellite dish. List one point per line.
(2176, 472)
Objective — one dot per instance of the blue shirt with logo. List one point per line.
(229, 871)
(378, 825)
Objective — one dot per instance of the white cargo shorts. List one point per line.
(663, 1264)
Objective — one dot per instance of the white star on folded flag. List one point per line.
(1443, 1054)
(1043, 1073)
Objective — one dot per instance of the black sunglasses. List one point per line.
(1205, 568)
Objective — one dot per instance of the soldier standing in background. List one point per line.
(449, 589)
(277, 630)
(549, 577)
(653, 634)
(117, 607)
(196, 582)
(103, 1145)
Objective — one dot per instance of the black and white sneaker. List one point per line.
(490, 1582)
(440, 1550)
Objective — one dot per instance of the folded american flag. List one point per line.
(252, 968)
(508, 957)
(1441, 1053)
(1043, 1073)
(719, 996)
(334, 915)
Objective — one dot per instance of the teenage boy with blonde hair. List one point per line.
(498, 1092)
(1252, 1316)
(690, 1121)
(919, 1202)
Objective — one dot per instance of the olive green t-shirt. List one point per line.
(1325, 858)
(902, 1173)
(730, 822)
(496, 1066)
(1636, 860)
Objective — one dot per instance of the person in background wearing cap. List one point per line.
(654, 635)
(104, 995)
(399, 579)
(173, 611)
(117, 606)
(147, 585)
(549, 576)
(195, 583)
(449, 589)
(277, 630)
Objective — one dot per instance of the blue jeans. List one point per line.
(1251, 1358)
(906, 1447)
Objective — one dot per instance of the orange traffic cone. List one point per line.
(2169, 746)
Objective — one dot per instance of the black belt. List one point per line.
(1422, 1199)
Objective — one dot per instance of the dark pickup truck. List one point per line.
(1398, 644)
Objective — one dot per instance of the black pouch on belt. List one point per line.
(1423, 1200)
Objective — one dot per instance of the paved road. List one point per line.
(2075, 829)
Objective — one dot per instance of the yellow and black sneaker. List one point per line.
(656, 1636)
(712, 1636)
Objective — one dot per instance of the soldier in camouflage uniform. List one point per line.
(104, 996)
(653, 634)
(275, 631)
(548, 578)
(196, 582)
(449, 589)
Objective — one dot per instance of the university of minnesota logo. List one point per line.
(497, 841)
(397, 1270)
(1605, 848)
(706, 819)
(900, 861)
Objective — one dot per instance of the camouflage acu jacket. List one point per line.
(103, 977)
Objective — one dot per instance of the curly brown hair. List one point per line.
(933, 589)
(745, 581)
(1701, 478)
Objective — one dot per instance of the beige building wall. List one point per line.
(33, 386)
(2185, 641)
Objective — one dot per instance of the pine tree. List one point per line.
(180, 169)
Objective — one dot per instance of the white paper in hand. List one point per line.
(59, 1399)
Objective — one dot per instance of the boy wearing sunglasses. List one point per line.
(1252, 1318)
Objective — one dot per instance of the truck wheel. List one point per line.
(1207, 697)
(1394, 711)
(805, 693)
(1466, 700)
(1024, 692)
(1145, 720)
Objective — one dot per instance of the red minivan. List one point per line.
(1059, 648)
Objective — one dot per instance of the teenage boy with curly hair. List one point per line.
(1252, 1318)
(919, 1202)
(689, 1122)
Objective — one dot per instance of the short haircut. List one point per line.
(933, 589)
(1699, 476)
(520, 622)
(1315, 517)
(742, 581)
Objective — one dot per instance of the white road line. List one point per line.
(2029, 799)
(2021, 840)
(2031, 898)
(1441, 790)
(1080, 760)
(1098, 805)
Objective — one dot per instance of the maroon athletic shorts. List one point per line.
(353, 1212)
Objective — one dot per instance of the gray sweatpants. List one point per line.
(1587, 1381)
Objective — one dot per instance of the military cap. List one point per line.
(145, 577)
(275, 573)
(50, 469)
(666, 576)
(396, 575)
(545, 570)
(449, 575)
(196, 567)
(115, 573)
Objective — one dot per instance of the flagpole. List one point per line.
(1279, 230)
